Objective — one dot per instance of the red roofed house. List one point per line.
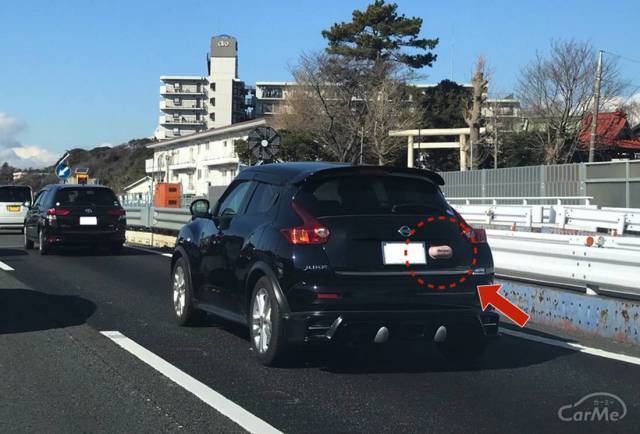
(614, 135)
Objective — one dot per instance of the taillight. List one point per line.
(474, 235)
(118, 212)
(58, 212)
(311, 231)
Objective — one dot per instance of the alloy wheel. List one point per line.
(179, 291)
(261, 320)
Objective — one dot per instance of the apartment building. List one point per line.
(199, 160)
(191, 104)
(270, 96)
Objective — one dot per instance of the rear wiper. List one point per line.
(413, 207)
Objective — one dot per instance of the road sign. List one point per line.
(63, 171)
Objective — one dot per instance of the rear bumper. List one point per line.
(362, 326)
(13, 222)
(85, 237)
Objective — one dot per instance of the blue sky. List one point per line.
(83, 73)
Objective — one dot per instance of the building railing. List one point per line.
(586, 200)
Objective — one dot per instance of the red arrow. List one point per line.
(489, 296)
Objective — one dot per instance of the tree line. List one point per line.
(350, 95)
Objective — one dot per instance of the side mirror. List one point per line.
(199, 208)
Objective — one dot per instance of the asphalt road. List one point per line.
(59, 374)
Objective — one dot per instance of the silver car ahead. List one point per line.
(14, 204)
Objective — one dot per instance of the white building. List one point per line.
(138, 191)
(200, 160)
(191, 104)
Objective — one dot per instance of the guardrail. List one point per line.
(157, 218)
(599, 263)
(591, 264)
(588, 218)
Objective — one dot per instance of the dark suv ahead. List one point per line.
(320, 252)
(70, 214)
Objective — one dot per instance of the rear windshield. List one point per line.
(359, 195)
(15, 194)
(86, 196)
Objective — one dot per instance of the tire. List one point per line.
(181, 295)
(28, 244)
(266, 326)
(43, 246)
(116, 248)
(464, 351)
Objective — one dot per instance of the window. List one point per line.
(206, 146)
(233, 201)
(263, 199)
(224, 143)
(199, 174)
(176, 131)
(213, 86)
(176, 101)
(378, 195)
(176, 116)
(212, 116)
(15, 194)
(213, 102)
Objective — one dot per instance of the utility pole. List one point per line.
(596, 103)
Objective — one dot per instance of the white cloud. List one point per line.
(27, 156)
(9, 128)
(16, 154)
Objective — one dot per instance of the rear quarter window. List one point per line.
(370, 195)
(15, 194)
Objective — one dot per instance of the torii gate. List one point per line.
(462, 143)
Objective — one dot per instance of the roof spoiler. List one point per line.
(347, 170)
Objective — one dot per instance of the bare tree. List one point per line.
(350, 105)
(556, 91)
(473, 116)
(327, 103)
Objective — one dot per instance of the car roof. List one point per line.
(283, 172)
(297, 172)
(63, 186)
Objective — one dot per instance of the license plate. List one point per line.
(400, 253)
(89, 221)
(13, 208)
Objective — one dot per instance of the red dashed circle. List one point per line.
(439, 286)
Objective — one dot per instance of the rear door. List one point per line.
(372, 217)
(12, 201)
(86, 208)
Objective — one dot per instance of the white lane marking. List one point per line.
(223, 405)
(5, 267)
(168, 255)
(573, 346)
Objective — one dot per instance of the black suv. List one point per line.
(70, 214)
(322, 252)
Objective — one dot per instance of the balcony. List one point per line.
(219, 161)
(170, 120)
(151, 167)
(183, 164)
(170, 90)
(185, 105)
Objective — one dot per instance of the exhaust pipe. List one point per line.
(441, 334)
(382, 336)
